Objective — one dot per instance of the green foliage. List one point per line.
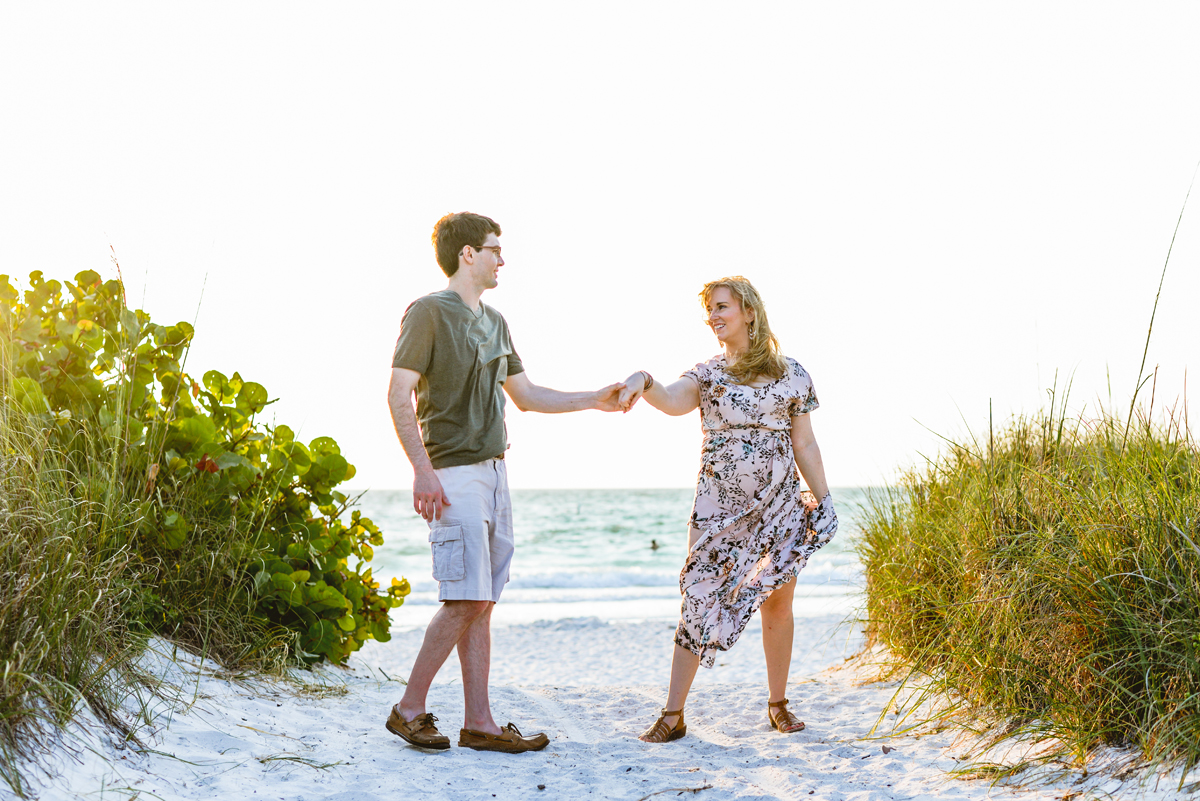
(63, 634)
(226, 505)
(1051, 575)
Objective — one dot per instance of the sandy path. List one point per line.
(592, 686)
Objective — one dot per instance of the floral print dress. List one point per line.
(756, 532)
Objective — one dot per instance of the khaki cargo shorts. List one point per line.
(473, 542)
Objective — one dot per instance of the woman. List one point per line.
(752, 527)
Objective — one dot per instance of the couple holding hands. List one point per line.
(752, 526)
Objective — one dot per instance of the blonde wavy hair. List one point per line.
(763, 357)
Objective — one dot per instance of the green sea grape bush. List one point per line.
(1049, 576)
(235, 515)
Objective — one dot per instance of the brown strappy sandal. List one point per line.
(659, 733)
(783, 721)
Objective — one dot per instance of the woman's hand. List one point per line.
(823, 519)
(634, 387)
(608, 399)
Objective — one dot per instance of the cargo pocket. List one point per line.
(449, 561)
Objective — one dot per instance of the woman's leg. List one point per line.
(684, 665)
(683, 670)
(778, 628)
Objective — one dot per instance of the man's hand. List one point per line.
(428, 497)
(609, 398)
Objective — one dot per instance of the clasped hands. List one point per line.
(622, 396)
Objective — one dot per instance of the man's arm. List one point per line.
(529, 397)
(428, 497)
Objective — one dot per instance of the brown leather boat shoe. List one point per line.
(508, 741)
(419, 731)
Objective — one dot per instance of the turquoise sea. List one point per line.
(588, 553)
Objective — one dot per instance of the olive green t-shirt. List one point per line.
(464, 358)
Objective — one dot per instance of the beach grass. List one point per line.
(1047, 575)
(78, 597)
(65, 581)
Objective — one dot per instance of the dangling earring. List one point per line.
(751, 326)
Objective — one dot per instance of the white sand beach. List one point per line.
(591, 684)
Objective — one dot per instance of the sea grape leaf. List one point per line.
(379, 630)
(216, 383)
(335, 466)
(178, 334)
(30, 330)
(322, 637)
(174, 530)
(193, 431)
(87, 278)
(353, 591)
(279, 566)
(131, 324)
(28, 395)
(322, 593)
(297, 454)
(252, 397)
(322, 446)
(283, 582)
(226, 460)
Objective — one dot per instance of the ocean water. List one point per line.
(589, 553)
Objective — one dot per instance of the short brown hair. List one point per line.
(455, 231)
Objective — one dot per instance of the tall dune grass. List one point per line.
(78, 597)
(65, 581)
(1050, 575)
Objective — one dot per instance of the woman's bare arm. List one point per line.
(675, 399)
(808, 456)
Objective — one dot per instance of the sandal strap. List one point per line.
(783, 719)
(660, 731)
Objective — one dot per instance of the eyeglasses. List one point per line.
(494, 248)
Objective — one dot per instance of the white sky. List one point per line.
(941, 203)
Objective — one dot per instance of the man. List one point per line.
(455, 353)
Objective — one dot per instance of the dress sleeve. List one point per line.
(804, 397)
(414, 348)
(699, 373)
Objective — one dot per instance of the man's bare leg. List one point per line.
(475, 655)
(444, 631)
